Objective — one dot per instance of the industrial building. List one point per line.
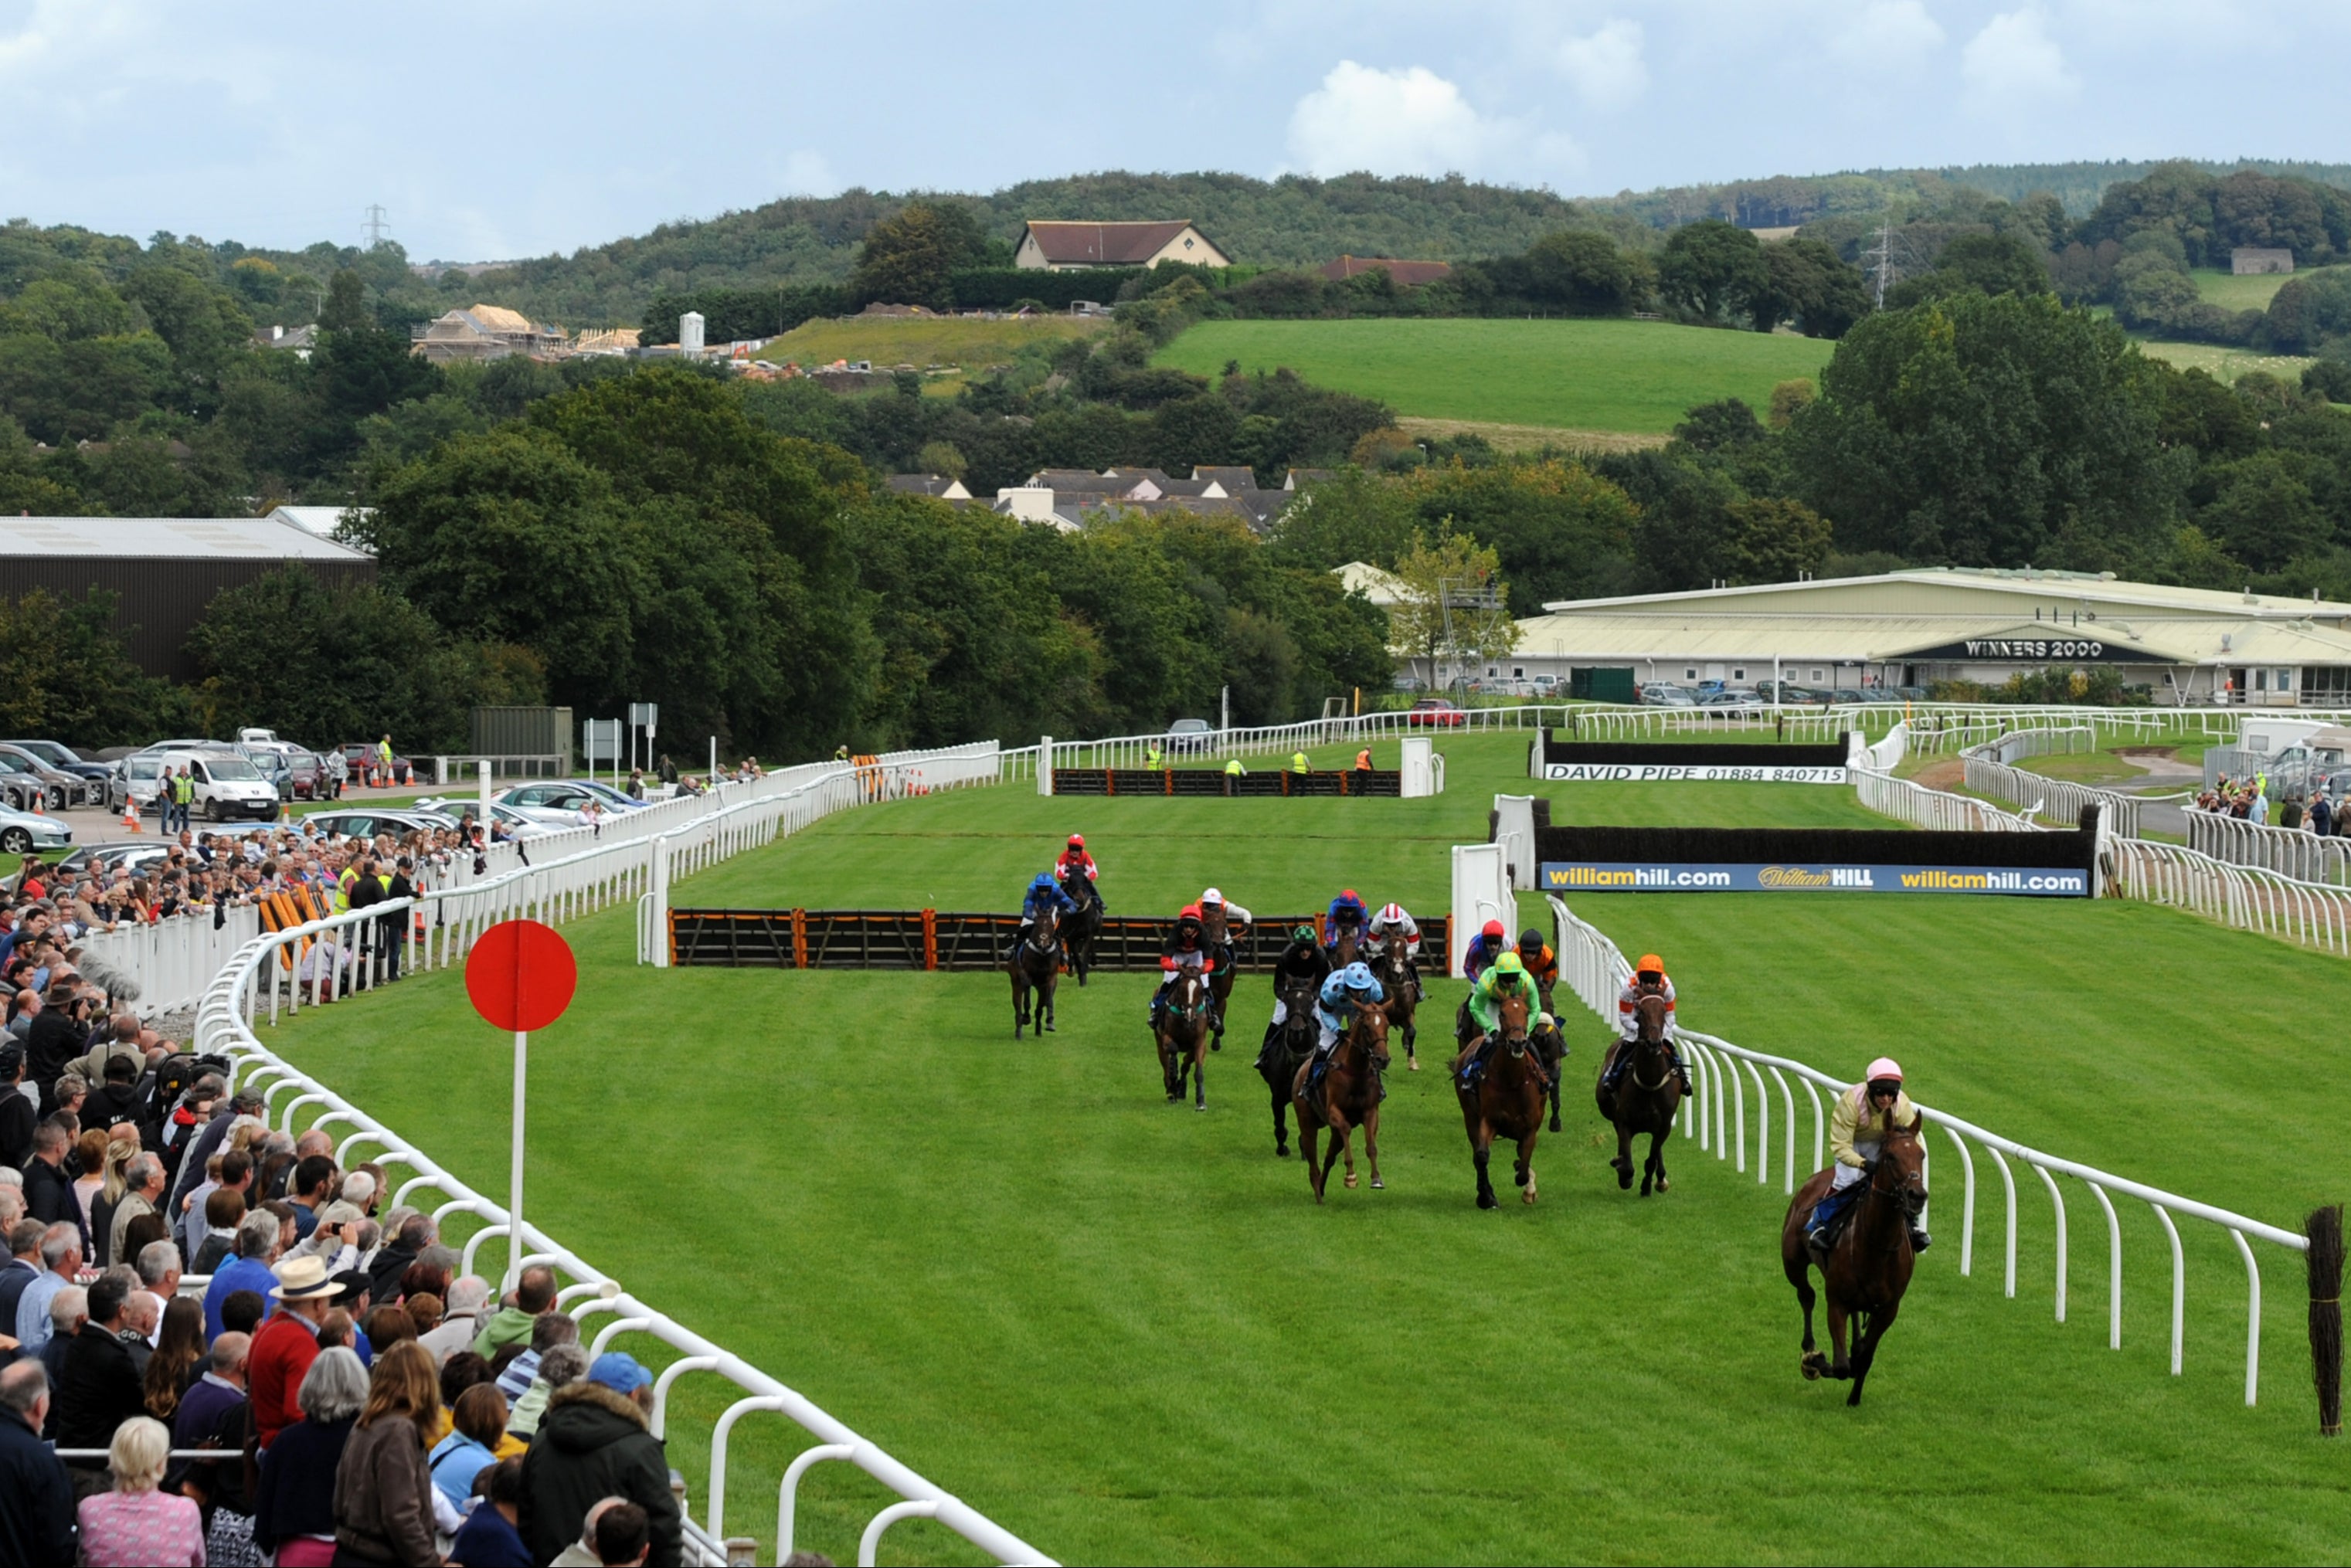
(164, 571)
(1912, 628)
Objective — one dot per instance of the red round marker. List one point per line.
(520, 975)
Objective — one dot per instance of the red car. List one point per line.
(1436, 713)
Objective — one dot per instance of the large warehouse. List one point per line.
(164, 571)
(1912, 628)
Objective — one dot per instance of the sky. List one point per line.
(496, 129)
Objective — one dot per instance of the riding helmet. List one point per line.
(1885, 1069)
(1189, 911)
(1211, 896)
(1391, 914)
(1531, 938)
(1358, 976)
(1303, 933)
(1077, 840)
(1493, 928)
(1650, 964)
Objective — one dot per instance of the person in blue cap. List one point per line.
(1044, 893)
(1334, 1009)
(596, 1441)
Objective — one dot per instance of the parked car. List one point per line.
(1189, 734)
(22, 832)
(139, 776)
(66, 761)
(557, 801)
(227, 785)
(1846, 694)
(519, 823)
(1435, 713)
(102, 859)
(1661, 694)
(27, 781)
(1785, 692)
(367, 821)
(1734, 702)
(615, 797)
(360, 756)
(306, 777)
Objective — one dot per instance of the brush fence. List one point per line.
(939, 939)
(1284, 785)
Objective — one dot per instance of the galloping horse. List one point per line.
(1216, 936)
(1645, 1096)
(1036, 964)
(1870, 1267)
(1084, 925)
(1183, 1037)
(1507, 1100)
(1293, 1043)
(1395, 974)
(1348, 1097)
(1346, 947)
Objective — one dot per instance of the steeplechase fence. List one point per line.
(1204, 781)
(930, 939)
(1719, 1117)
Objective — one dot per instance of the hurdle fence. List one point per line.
(1718, 1117)
(945, 940)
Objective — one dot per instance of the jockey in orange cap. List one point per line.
(1649, 979)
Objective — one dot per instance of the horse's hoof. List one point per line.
(1282, 1151)
(1174, 1099)
(1554, 1120)
(1811, 1367)
(1218, 1044)
(1413, 1062)
(1378, 1186)
(1527, 1196)
(1487, 1200)
(1200, 1105)
(1624, 1181)
(1663, 1184)
(1350, 1180)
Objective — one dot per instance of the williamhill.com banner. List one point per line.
(1620, 876)
(1662, 773)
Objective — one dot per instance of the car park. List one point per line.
(1730, 701)
(27, 782)
(1661, 694)
(65, 759)
(1435, 713)
(22, 832)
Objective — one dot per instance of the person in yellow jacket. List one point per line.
(1298, 763)
(1859, 1123)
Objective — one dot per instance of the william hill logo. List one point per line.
(1780, 876)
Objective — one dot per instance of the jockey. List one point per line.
(1858, 1125)
(1490, 943)
(1346, 913)
(1184, 950)
(1507, 975)
(1301, 964)
(1540, 962)
(1075, 862)
(1236, 918)
(1043, 894)
(1334, 1009)
(1392, 921)
(1649, 979)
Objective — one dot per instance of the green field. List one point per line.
(2225, 363)
(922, 340)
(1124, 1329)
(1569, 376)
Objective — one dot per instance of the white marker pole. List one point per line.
(514, 1198)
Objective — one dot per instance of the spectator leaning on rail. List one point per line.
(597, 1441)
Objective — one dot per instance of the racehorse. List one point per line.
(1036, 965)
(1216, 936)
(1506, 1100)
(1345, 946)
(1395, 974)
(1868, 1267)
(1293, 1043)
(1183, 1037)
(1645, 1096)
(1085, 926)
(1348, 1097)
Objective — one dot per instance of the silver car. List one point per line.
(22, 832)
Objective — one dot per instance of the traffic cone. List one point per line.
(130, 812)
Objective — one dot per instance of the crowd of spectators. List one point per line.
(337, 1391)
(2247, 799)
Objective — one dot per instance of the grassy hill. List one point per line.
(2225, 363)
(922, 340)
(1124, 1329)
(1564, 376)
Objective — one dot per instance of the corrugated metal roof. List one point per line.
(1964, 590)
(1694, 633)
(322, 522)
(214, 538)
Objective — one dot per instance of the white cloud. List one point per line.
(1885, 35)
(1411, 121)
(2014, 64)
(1605, 69)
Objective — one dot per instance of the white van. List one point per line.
(228, 787)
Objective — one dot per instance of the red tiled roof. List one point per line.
(1102, 245)
(1407, 273)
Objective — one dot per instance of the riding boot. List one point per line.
(1681, 1071)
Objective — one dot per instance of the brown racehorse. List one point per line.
(1347, 1098)
(1394, 972)
(1347, 949)
(1870, 1267)
(1216, 936)
(1293, 1043)
(1645, 1096)
(1183, 1037)
(1506, 1101)
(1036, 965)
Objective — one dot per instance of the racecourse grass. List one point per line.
(1575, 376)
(1122, 1329)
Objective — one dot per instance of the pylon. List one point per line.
(131, 810)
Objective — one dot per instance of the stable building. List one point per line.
(2188, 645)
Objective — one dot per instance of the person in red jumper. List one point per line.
(288, 1343)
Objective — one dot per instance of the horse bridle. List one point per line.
(1901, 1192)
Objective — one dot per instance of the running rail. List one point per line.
(554, 891)
(1593, 965)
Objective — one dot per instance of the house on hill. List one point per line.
(2252, 260)
(485, 332)
(1058, 245)
(1407, 273)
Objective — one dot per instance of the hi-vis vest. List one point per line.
(183, 790)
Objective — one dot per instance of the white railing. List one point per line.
(1988, 771)
(554, 891)
(1718, 1115)
(172, 961)
(2246, 898)
(1923, 808)
(2289, 852)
